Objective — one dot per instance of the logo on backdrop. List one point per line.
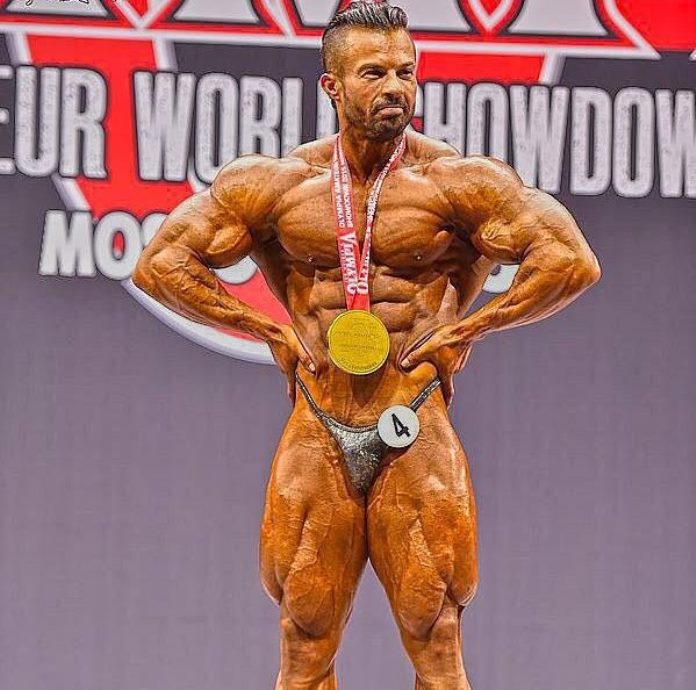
(156, 96)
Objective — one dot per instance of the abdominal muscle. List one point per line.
(409, 309)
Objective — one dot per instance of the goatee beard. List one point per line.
(375, 129)
(385, 132)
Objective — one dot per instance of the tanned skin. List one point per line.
(443, 223)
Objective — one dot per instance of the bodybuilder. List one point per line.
(337, 495)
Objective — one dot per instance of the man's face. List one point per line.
(376, 81)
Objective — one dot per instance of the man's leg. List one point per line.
(421, 522)
(313, 551)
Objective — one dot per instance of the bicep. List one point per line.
(201, 226)
(507, 221)
(535, 222)
(216, 226)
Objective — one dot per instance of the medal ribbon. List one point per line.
(355, 266)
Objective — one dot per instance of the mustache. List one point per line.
(391, 104)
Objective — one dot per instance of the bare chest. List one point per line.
(411, 227)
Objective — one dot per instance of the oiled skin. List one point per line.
(422, 275)
(443, 223)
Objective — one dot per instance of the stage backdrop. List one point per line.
(136, 445)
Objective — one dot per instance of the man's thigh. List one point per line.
(313, 537)
(421, 521)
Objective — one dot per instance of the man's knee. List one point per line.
(307, 660)
(311, 623)
(417, 610)
(423, 595)
(436, 656)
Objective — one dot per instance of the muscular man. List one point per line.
(337, 495)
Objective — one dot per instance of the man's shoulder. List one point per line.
(315, 153)
(472, 172)
(259, 169)
(262, 177)
(439, 160)
(476, 186)
(424, 150)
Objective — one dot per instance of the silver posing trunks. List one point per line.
(362, 447)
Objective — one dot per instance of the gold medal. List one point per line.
(358, 342)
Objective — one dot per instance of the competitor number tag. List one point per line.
(398, 426)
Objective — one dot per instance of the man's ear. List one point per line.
(330, 85)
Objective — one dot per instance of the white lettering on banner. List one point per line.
(32, 157)
(88, 87)
(166, 110)
(260, 116)
(163, 116)
(66, 249)
(216, 103)
(292, 114)
(446, 123)
(59, 122)
(117, 266)
(59, 112)
(633, 164)
(72, 246)
(539, 134)
(676, 134)
(487, 132)
(590, 169)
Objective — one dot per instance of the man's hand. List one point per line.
(443, 350)
(288, 351)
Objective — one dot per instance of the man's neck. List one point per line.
(366, 157)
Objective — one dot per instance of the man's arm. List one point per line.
(198, 235)
(507, 223)
(511, 223)
(213, 229)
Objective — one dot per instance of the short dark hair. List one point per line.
(371, 15)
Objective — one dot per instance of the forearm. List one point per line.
(179, 281)
(548, 280)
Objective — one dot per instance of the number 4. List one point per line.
(400, 428)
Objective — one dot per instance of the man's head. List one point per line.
(369, 64)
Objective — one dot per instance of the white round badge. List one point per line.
(398, 426)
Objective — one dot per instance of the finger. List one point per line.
(303, 356)
(307, 363)
(414, 358)
(409, 361)
(424, 339)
